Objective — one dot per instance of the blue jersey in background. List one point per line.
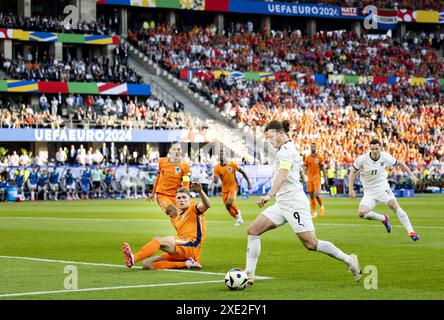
(33, 177)
(19, 180)
(54, 177)
(69, 179)
(42, 180)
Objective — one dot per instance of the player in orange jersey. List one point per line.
(183, 250)
(313, 164)
(227, 173)
(171, 175)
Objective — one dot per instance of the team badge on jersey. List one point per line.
(178, 169)
(316, 161)
(164, 204)
(229, 169)
(382, 164)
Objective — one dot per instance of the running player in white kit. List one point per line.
(371, 166)
(291, 206)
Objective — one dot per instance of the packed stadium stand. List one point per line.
(290, 51)
(56, 24)
(166, 75)
(340, 115)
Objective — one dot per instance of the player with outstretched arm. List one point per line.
(371, 167)
(182, 251)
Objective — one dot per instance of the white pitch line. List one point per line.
(116, 266)
(162, 220)
(68, 262)
(107, 288)
(99, 219)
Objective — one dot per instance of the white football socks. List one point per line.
(253, 252)
(374, 216)
(404, 218)
(330, 249)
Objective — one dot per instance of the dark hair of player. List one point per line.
(278, 125)
(375, 141)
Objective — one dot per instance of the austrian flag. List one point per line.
(387, 19)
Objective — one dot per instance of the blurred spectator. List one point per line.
(54, 24)
(61, 156)
(97, 70)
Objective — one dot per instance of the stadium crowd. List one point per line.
(57, 24)
(103, 176)
(88, 182)
(108, 171)
(340, 116)
(291, 52)
(90, 111)
(336, 115)
(99, 69)
(107, 154)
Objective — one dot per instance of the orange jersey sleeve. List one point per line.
(216, 171)
(228, 176)
(313, 166)
(171, 176)
(190, 225)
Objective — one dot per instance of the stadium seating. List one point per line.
(55, 24)
(46, 68)
(343, 117)
(95, 112)
(290, 51)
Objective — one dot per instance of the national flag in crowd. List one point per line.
(387, 19)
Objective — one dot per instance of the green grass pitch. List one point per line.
(68, 232)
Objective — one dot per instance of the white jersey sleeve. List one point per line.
(388, 159)
(288, 157)
(284, 156)
(373, 172)
(358, 162)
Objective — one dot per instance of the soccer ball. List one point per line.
(236, 279)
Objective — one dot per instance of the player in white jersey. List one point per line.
(291, 206)
(140, 183)
(126, 182)
(371, 166)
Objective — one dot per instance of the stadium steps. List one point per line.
(3, 75)
(164, 91)
(226, 131)
(439, 52)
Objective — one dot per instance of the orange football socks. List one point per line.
(147, 250)
(168, 265)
